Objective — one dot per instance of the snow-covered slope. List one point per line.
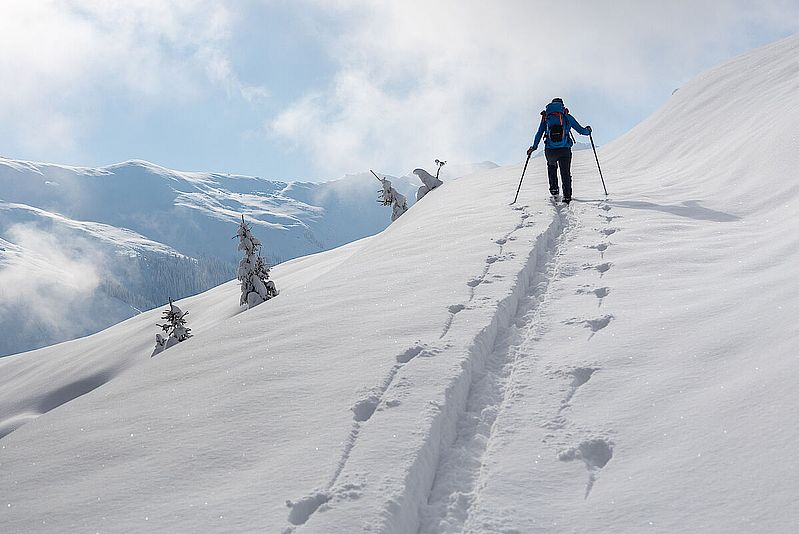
(135, 234)
(620, 365)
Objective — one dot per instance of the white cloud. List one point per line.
(414, 80)
(219, 70)
(48, 276)
(419, 79)
(59, 59)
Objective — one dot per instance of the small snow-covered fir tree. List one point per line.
(430, 182)
(253, 270)
(174, 328)
(391, 197)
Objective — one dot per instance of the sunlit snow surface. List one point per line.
(621, 365)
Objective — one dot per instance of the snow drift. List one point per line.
(620, 365)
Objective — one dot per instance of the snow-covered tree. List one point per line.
(430, 182)
(174, 328)
(391, 197)
(253, 270)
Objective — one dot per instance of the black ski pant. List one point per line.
(559, 157)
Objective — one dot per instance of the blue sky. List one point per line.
(312, 89)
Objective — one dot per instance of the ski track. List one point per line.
(457, 480)
(461, 472)
(300, 511)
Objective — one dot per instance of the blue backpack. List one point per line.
(555, 117)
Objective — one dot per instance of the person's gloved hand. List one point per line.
(531, 150)
(589, 129)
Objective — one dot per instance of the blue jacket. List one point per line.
(571, 122)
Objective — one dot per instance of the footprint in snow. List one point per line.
(303, 509)
(410, 354)
(582, 375)
(594, 324)
(601, 248)
(595, 453)
(599, 292)
(608, 231)
(599, 323)
(456, 308)
(602, 267)
(364, 409)
(453, 310)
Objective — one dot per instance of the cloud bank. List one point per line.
(64, 63)
(43, 283)
(465, 79)
(322, 88)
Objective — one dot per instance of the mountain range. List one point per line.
(84, 248)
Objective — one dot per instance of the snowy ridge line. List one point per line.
(401, 513)
(460, 470)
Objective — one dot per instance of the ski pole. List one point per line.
(591, 137)
(522, 178)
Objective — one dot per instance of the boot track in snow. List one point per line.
(458, 475)
(443, 481)
(301, 510)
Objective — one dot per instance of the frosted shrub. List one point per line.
(174, 328)
(253, 271)
(391, 197)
